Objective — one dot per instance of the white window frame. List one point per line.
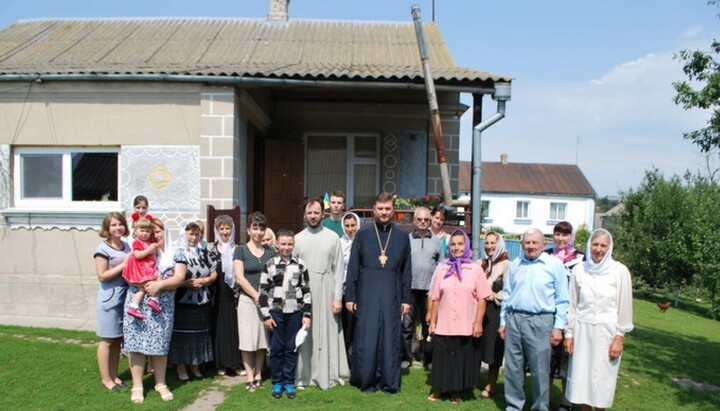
(65, 202)
(554, 215)
(351, 160)
(527, 210)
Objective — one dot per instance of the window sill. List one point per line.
(522, 221)
(54, 219)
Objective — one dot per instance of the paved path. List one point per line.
(214, 395)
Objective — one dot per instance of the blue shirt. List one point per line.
(537, 286)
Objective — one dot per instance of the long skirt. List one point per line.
(456, 363)
(227, 354)
(492, 346)
(251, 331)
(191, 341)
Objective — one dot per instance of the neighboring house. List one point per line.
(198, 112)
(609, 219)
(518, 196)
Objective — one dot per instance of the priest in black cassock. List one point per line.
(377, 290)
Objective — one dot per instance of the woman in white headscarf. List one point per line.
(151, 337)
(496, 267)
(227, 353)
(191, 342)
(600, 314)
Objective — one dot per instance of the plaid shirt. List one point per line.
(285, 287)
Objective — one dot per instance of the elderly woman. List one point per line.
(249, 260)
(600, 315)
(151, 337)
(109, 258)
(458, 290)
(191, 342)
(227, 354)
(496, 267)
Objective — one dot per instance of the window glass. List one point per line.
(366, 147)
(558, 211)
(94, 177)
(522, 210)
(42, 176)
(365, 185)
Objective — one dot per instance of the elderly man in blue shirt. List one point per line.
(532, 317)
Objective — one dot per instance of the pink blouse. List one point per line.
(458, 300)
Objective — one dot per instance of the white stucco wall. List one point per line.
(47, 271)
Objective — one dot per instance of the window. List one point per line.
(522, 209)
(558, 211)
(346, 162)
(68, 177)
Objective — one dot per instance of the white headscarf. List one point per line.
(167, 260)
(604, 267)
(499, 249)
(226, 255)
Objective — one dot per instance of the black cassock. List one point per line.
(378, 292)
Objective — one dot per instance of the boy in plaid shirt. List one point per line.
(285, 304)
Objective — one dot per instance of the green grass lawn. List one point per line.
(50, 369)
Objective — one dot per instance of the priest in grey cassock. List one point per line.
(377, 289)
(322, 359)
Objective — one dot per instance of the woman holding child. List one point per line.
(151, 336)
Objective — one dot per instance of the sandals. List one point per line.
(434, 396)
(486, 394)
(565, 407)
(456, 398)
(164, 392)
(259, 383)
(250, 386)
(137, 395)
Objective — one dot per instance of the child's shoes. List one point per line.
(290, 391)
(154, 305)
(276, 391)
(135, 313)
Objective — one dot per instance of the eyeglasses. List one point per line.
(422, 219)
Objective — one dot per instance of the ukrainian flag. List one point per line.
(326, 201)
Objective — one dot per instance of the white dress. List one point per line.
(600, 309)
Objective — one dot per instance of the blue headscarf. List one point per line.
(456, 263)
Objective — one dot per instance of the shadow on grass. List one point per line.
(661, 355)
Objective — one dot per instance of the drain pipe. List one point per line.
(501, 95)
(434, 108)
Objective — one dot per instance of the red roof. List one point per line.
(528, 178)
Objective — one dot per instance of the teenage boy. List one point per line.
(285, 304)
(337, 208)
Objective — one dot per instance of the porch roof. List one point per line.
(295, 49)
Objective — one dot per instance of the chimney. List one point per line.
(503, 158)
(278, 10)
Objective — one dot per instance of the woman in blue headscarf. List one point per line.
(458, 293)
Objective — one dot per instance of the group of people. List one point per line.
(370, 299)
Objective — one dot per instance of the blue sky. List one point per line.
(592, 79)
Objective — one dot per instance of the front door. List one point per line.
(283, 188)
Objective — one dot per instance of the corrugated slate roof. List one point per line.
(229, 47)
(528, 178)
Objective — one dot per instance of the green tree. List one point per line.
(704, 237)
(703, 68)
(652, 231)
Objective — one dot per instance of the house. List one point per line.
(197, 112)
(518, 196)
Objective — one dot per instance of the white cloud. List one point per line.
(626, 122)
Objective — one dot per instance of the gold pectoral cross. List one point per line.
(383, 259)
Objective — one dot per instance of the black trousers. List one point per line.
(417, 313)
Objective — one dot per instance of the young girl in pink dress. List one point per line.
(140, 267)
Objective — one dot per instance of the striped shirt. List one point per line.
(285, 287)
